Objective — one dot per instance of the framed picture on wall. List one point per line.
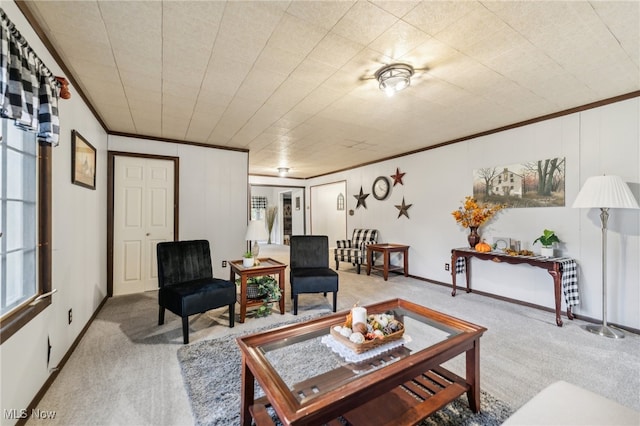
(83, 161)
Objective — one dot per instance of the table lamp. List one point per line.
(256, 231)
(605, 192)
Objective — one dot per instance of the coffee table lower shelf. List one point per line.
(412, 401)
(406, 404)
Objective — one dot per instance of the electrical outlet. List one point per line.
(446, 266)
(224, 263)
(70, 315)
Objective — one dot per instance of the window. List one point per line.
(25, 231)
(17, 218)
(258, 207)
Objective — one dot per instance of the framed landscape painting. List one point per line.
(83, 161)
(538, 183)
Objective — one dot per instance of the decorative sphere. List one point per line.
(357, 337)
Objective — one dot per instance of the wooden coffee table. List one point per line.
(386, 250)
(267, 266)
(307, 383)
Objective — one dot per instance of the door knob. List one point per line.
(148, 234)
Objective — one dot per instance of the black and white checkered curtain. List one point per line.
(258, 202)
(28, 90)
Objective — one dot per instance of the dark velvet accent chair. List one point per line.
(186, 282)
(309, 268)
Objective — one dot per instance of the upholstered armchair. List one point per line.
(354, 250)
(309, 268)
(186, 282)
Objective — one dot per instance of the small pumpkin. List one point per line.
(483, 247)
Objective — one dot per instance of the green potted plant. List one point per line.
(547, 239)
(247, 260)
(265, 288)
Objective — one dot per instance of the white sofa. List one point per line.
(562, 403)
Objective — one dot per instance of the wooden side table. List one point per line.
(386, 250)
(267, 266)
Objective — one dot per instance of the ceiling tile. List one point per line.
(295, 36)
(295, 80)
(397, 8)
(335, 50)
(473, 27)
(435, 16)
(313, 72)
(398, 40)
(364, 22)
(277, 60)
(259, 85)
(324, 14)
(141, 80)
(54, 15)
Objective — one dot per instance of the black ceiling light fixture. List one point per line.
(394, 77)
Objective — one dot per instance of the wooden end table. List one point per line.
(386, 250)
(267, 266)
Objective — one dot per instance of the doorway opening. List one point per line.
(290, 212)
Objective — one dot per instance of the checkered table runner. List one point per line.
(569, 281)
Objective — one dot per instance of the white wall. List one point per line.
(78, 250)
(597, 141)
(212, 197)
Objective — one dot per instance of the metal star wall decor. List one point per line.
(362, 197)
(397, 178)
(403, 209)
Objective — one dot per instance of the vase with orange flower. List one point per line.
(472, 215)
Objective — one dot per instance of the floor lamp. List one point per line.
(605, 192)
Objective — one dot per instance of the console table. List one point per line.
(555, 266)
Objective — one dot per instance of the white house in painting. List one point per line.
(508, 183)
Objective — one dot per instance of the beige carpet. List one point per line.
(126, 372)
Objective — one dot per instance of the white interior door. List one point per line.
(143, 217)
(297, 212)
(327, 216)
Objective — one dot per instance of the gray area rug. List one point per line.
(211, 373)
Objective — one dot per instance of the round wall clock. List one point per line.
(381, 187)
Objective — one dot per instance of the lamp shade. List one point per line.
(256, 231)
(605, 192)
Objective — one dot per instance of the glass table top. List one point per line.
(310, 366)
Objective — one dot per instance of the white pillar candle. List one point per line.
(358, 314)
